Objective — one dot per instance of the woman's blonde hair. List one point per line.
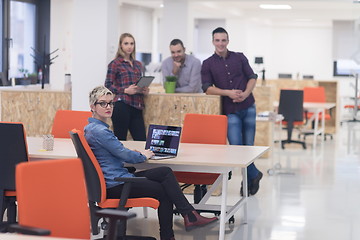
(120, 52)
(97, 93)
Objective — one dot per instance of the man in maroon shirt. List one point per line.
(229, 75)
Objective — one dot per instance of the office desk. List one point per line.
(317, 109)
(192, 158)
(13, 236)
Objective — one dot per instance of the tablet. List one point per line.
(145, 81)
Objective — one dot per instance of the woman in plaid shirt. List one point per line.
(123, 72)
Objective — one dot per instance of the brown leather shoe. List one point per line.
(196, 220)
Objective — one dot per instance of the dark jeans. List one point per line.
(162, 185)
(126, 118)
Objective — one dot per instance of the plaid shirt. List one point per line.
(120, 75)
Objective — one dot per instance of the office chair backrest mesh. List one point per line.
(65, 120)
(204, 128)
(93, 173)
(291, 104)
(52, 195)
(13, 150)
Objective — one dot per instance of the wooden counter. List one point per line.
(170, 108)
(33, 106)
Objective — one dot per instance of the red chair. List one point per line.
(66, 120)
(315, 94)
(96, 185)
(13, 150)
(53, 200)
(205, 129)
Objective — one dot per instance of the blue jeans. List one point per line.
(241, 131)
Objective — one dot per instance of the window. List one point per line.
(24, 33)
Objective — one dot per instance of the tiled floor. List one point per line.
(314, 196)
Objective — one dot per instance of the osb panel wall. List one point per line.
(35, 109)
(331, 96)
(279, 84)
(170, 109)
(264, 102)
(264, 98)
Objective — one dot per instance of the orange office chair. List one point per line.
(205, 129)
(65, 120)
(96, 185)
(13, 150)
(291, 107)
(53, 200)
(315, 94)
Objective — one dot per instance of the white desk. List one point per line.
(318, 109)
(13, 236)
(192, 157)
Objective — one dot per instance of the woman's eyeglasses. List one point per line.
(105, 104)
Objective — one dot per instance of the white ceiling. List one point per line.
(314, 11)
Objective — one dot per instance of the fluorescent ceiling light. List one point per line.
(275, 6)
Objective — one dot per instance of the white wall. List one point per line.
(139, 22)
(86, 33)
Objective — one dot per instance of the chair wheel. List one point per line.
(104, 225)
(277, 166)
(232, 220)
(270, 171)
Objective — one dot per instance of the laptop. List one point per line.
(163, 141)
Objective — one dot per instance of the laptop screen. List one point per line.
(163, 139)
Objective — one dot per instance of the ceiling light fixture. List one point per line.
(275, 6)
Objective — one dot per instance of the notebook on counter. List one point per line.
(163, 141)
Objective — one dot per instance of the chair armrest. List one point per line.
(28, 230)
(126, 189)
(129, 180)
(115, 214)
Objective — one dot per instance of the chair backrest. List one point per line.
(52, 195)
(204, 128)
(291, 104)
(94, 176)
(65, 120)
(314, 94)
(13, 150)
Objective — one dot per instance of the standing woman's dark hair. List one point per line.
(122, 75)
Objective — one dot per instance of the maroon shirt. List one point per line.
(120, 75)
(232, 72)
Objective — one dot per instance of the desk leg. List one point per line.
(245, 193)
(323, 124)
(223, 206)
(316, 127)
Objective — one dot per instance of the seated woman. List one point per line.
(160, 183)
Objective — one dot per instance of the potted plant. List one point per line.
(170, 84)
(24, 80)
(33, 77)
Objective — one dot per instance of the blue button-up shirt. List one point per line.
(110, 152)
(231, 72)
